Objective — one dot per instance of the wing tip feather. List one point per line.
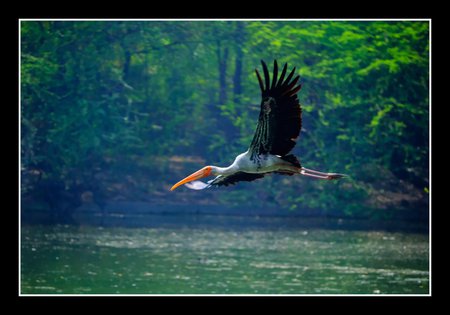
(261, 84)
(275, 74)
(266, 75)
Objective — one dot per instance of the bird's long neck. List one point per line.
(240, 162)
(216, 170)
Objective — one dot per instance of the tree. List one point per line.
(110, 101)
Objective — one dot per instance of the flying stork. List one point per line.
(279, 124)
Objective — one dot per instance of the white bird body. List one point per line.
(266, 163)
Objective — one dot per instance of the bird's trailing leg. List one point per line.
(320, 175)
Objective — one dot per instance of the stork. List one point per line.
(278, 128)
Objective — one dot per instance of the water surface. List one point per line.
(92, 260)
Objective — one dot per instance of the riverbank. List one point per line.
(145, 214)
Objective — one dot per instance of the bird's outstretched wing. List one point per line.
(224, 180)
(279, 120)
(234, 178)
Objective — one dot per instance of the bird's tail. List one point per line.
(291, 159)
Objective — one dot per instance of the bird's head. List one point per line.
(204, 172)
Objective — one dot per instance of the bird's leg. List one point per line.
(314, 172)
(320, 175)
(303, 172)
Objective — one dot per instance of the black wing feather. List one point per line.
(279, 122)
(234, 178)
(294, 91)
(275, 74)
(266, 75)
(289, 77)
(283, 73)
(261, 85)
(288, 88)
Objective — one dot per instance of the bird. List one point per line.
(277, 132)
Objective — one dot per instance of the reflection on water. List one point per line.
(90, 260)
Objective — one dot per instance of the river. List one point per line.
(66, 259)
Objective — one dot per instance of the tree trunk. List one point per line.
(223, 60)
(237, 78)
(126, 66)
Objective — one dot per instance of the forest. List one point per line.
(122, 110)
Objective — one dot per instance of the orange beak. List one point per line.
(204, 172)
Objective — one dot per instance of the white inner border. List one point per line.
(232, 19)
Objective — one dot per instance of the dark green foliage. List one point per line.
(129, 107)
